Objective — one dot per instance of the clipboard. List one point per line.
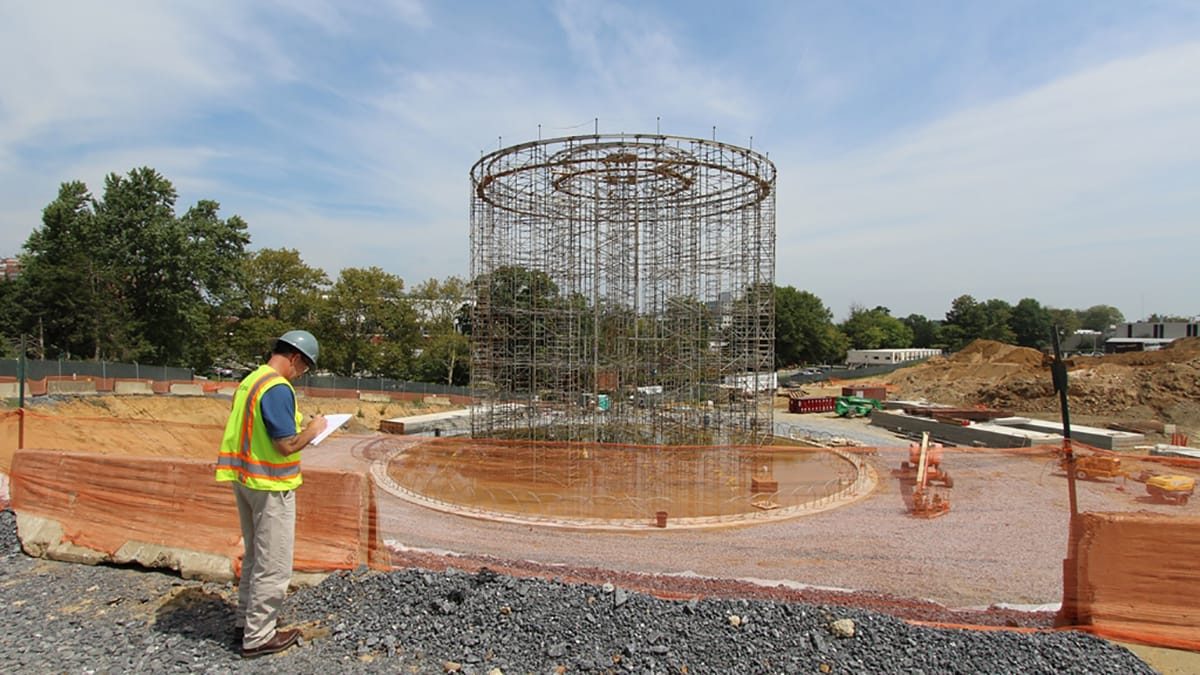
(333, 423)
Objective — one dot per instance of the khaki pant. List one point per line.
(268, 522)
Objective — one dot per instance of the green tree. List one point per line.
(1067, 320)
(512, 309)
(368, 325)
(875, 329)
(125, 278)
(1101, 318)
(445, 352)
(276, 292)
(999, 315)
(216, 250)
(12, 316)
(74, 300)
(277, 284)
(966, 321)
(804, 330)
(927, 334)
(1030, 323)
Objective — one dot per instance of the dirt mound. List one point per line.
(992, 352)
(1163, 385)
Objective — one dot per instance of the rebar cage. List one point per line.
(624, 291)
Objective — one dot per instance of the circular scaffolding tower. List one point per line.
(623, 291)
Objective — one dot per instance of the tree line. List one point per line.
(124, 277)
(806, 333)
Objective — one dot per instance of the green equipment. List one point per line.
(855, 406)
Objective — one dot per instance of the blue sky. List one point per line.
(1004, 149)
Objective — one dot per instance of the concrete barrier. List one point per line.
(1108, 439)
(372, 397)
(976, 435)
(171, 513)
(179, 389)
(70, 387)
(9, 389)
(133, 388)
(449, 423)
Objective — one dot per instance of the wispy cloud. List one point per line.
(966, 150)
(998, 197)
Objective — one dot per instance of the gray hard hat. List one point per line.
(303, 341)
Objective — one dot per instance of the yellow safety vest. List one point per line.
(247, 453)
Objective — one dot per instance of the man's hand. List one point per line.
(316, 425)
(293, 444)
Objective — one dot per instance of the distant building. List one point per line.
(880, 357)
(1083, 341)
(1171, 330)
(1118, 345)
(1146, 336)
(10, 268)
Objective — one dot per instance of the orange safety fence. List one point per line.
(1135, 574)
(104, 503)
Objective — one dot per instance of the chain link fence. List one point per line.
(380, 384)
(37, 369)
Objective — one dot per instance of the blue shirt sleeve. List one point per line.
(278, 407)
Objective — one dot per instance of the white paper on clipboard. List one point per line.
(333, 423)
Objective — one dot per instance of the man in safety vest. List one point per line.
(260, 455)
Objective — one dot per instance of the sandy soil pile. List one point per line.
(1163, 385)
(176, 426)
(215, 410)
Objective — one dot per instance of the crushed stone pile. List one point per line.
(72, 618)
(1163, 384)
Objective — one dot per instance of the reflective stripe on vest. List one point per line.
(247, 453)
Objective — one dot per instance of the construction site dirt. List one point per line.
(994, 559)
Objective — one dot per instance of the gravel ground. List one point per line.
(73, 618)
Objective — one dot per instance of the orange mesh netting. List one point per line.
(1137, 578)
(104, 502)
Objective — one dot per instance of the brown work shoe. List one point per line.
(281, 640)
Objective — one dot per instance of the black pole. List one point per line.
(1069, 614)
(21, 396)
(1058, 371)
(21, 376)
